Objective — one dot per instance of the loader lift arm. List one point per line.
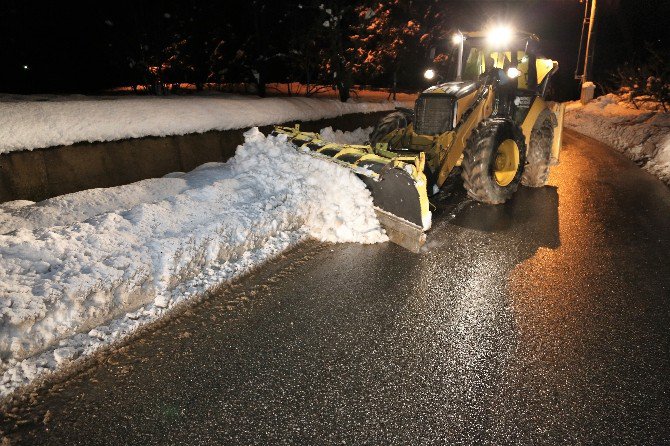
(397, 183)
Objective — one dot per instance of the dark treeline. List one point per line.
(157, 43)
(88, 47)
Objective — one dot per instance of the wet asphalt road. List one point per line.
(543, 321)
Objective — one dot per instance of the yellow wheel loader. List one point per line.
(489, 121)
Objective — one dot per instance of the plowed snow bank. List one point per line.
(123, 256)
(641, 135)
(28, 123)
(70, 208)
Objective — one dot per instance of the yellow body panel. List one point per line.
(465, 103)
(460, 137)
(559, 110)
(527, 126)
(544, 66)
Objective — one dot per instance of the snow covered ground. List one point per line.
(31, 122)
(83, 270)
(358, 136)
(642, 135)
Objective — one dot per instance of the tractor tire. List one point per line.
(493, 161)
(536, 172)
(393, 121)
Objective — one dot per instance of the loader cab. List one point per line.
(479, 56)
(514, 64)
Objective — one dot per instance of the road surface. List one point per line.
(543, 321)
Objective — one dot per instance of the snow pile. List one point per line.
(74, 207)
(642, 135)
(133, 252)
(28, 123)
(358, 136)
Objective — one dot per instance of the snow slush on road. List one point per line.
(84, 270)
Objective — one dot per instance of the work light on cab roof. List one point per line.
(499, 36)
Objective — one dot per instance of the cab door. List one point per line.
(526, 91)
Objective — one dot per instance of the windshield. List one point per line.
(478, 59)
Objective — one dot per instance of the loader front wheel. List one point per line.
(493, 161)
(398, 120)
(536, 172)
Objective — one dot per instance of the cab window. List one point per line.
(474, 65)
(479, 60)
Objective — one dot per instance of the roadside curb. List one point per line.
(44, 173)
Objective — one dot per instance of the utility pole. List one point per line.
(590, 44)
(588, 27)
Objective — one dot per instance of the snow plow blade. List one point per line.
(397, 183)
(401, 232)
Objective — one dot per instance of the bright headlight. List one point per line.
(499, 36)
(513, 72)
(456, 39)
(429, 74)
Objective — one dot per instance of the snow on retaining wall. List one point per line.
(641, 135)
(358, 136)
(158, 242)
(60, 120)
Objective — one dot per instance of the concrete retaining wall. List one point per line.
(44, 173)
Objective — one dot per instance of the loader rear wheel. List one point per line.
(536, 172)
(493, 161)
(397, 120)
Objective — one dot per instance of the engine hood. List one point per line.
(454, 89)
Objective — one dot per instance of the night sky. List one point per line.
(64, 47)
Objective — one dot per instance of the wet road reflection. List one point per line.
(538, 322)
